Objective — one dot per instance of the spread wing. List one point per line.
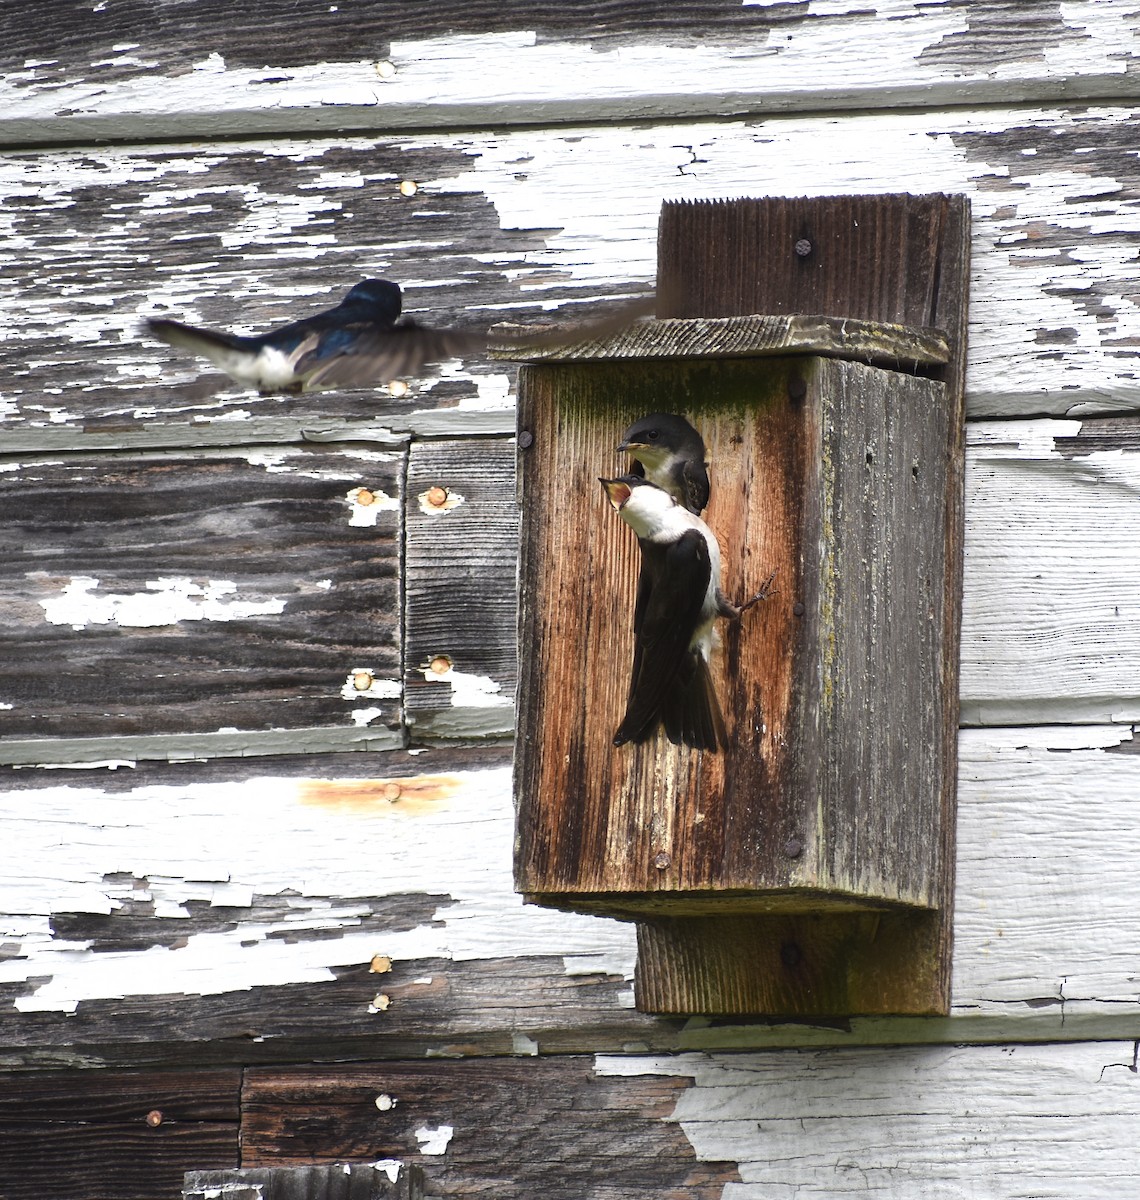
(364, 356)
(670, 595)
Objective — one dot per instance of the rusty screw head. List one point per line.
(662, 861)
(436, 496)
(440, 665)
(154, 1118)
(804, 247)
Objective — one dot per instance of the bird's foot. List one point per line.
(766, 590)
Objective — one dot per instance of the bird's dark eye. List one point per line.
(652, 435)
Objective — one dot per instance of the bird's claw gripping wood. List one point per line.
(766, 591)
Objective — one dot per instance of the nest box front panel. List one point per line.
(783, 818)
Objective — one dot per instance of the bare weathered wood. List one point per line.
(119, 1135)
(840, 694)
(178, 594)
(390, 1180)
(644, 829)
(873, 258)
(461, 536)
(502, 1128)
(895, 346)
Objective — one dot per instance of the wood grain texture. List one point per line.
(234, 910)
(483, 1128)
(131, 73)
(814, 812)
(898, 346)
(119, 1135)
(596, 823)
(247, 235)
(461, 533)
(999, 1122)
(385, 1180)
(172, 593)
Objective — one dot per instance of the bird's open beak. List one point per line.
(630, 447)
(616, 492)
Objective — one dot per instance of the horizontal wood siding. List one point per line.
(205, 886)
(461, 553)
(118, 1135)
(172, 593)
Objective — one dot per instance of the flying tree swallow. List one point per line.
(669, 452)
(678, 601)
(359, 343)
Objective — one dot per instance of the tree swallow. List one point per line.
(356, 344)
(669, 452)
(678, 600)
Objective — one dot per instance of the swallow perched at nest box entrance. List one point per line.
(669, 452)
(678, 601)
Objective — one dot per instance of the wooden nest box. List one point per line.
(807, 868)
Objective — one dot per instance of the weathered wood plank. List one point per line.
(123, 71)
(388, 1179)
(157, 594)
(1049, 510)
(897, 346)
(1050, 625)
(460, 554)
(247, 235)
(501, 1128)
(119, 1135)
(1000, 1122)
(294, 909)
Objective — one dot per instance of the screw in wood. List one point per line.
(790, 954)
(793, 847)
(154, 1118)
(798, 608)
(361, 680)
(436, 496)
(526, 439)
(797, 388)
(804, 247)
(662, 861)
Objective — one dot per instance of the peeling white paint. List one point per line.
(434, 1141)
(362, 717)
(57, 857)
(366, 504)
(874, 54)
(437, 500)
(1051, 592)
(390, 1167)
(467, 690)
(362, 681)
(167, 601)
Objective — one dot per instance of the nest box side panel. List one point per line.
(655, 827)
(870, 759)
